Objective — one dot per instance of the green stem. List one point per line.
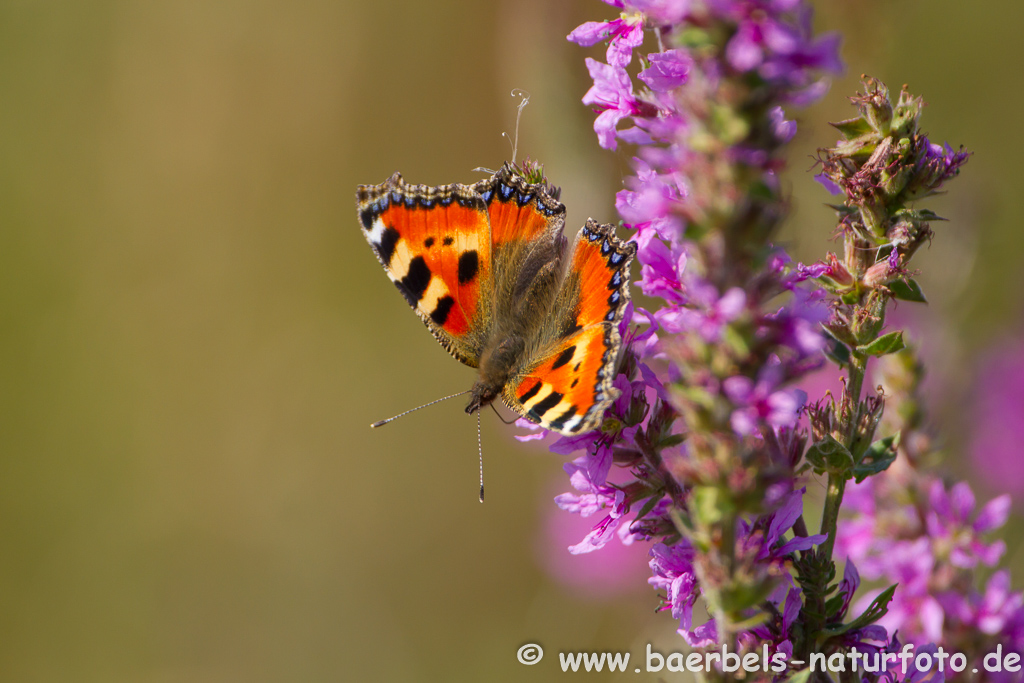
(858, 369)
(848, 420)
(830, 515)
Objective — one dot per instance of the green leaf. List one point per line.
(838, 352)
(671, 440)
(828, 455)
(852, 128)
(908, 290)
(877, 458)
(649, 505)
(887, 343)
(878, 609)
(801, 676)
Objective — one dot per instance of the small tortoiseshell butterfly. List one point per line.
(485, 267)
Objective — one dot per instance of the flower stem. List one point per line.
(848, 418)
(830, 515)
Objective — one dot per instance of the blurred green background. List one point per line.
(195, 336)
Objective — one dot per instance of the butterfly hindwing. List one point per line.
(568, 381)
(435, 244)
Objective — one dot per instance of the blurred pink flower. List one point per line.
(997, 419)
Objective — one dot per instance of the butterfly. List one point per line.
(486, 267)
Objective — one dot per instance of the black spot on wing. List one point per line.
(560, 421)
(429, 242)
(440, 313)
(564, 357)
(447, 241)
(366, 217)
(575, 381)
(531, 393)
(469, 262)
(417, 279)
(546, 404)
(386, 247)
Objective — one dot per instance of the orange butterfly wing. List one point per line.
(568, 382)
(435, 244)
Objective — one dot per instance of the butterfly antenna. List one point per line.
(508, 422)
(524, 100)
(480, 450)
(412, 410)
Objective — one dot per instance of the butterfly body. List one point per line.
(487, 268)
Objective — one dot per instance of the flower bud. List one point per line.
(906, 114)
(836, 278)
(875, 106)
(884, 272)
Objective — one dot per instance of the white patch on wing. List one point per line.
(377, 233)
(571, 423)
(435, 291)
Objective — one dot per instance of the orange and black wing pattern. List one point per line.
(519, 211)
(567, 381)
(435, 245)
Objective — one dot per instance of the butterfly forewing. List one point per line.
(434, 243)
(519, 211)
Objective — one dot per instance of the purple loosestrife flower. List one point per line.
(759, 403)
(624, 35)
(668, 70)
(673, 571)
(997, 610)
(612, 95)
(950, 526)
